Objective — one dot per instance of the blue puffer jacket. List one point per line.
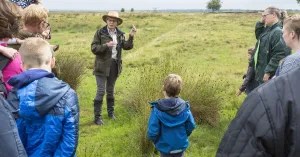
(170, 124)
(48, 114)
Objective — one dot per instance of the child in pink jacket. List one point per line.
(14, 67)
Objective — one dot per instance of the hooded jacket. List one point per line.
(170, 124)
(48, 113)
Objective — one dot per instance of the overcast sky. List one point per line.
(164, 4)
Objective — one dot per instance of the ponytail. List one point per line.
(283, 16)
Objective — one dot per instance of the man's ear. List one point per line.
(293, 34)
(52, 62)
(40, 27)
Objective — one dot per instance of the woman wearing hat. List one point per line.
(107, 47)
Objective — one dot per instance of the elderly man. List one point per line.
(107, 47)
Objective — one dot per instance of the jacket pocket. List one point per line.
(102, 67)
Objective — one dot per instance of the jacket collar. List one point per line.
(104, 30)
(278, 24)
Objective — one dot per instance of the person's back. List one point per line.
(10, 145)
(48, 108)
(171, 121)
(267, 122)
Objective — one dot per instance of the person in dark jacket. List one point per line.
(267, 123)
(247, 85)
(10, 142)
(46, 108)
(107, 47)
(270, 47)
(171, 121)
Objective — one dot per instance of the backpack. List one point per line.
(3, 63)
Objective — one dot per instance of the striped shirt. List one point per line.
(289, 63)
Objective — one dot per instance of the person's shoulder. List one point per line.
(71, 98)
(276, 89)
(276, 32)
(24, 34)
(120, 31)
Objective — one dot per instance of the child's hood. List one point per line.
(41, 95)
(171, 112)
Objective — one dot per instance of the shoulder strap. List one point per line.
(3, 61)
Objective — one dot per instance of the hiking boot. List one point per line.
(98, 121)
(110, 107)
(112, 116)
(97, 108)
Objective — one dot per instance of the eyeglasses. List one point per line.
(264, 16)
(112, 20)
(46, 24)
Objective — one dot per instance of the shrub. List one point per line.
(122, 10)
(71, 69)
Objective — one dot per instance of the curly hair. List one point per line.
(34, 14)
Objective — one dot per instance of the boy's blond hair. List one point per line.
(173, 85)
(292, 24)
(34, 15)
(35, 52)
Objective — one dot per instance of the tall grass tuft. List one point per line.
(71, 69)
(203, 95)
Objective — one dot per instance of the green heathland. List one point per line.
(209, 50)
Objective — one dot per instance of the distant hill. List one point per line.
(177, 10)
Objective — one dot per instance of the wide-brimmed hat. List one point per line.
(113, 14)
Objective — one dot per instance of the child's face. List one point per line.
(249, 57)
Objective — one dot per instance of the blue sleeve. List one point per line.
(69, 140)
(190, 124)
(153, 127)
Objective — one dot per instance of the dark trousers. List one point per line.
(172, 155)
(106, 84)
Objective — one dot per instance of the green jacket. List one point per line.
(272, 49)
(103, 53)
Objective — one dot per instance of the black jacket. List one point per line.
(268, 122)
(248, 83)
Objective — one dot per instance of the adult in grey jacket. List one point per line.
(267, 124)
(107, 47)
(10, 142)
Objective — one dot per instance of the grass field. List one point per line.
(211, 44)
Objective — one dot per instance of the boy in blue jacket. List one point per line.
(48, 110)
(171, 121)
